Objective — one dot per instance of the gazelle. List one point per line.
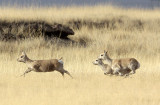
(121, 66)
(43, 65)
(105, 67)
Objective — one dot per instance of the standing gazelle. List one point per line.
(43, 65)
(121, 65)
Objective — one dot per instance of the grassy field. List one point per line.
(89, 86)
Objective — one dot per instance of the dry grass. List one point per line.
(55, 14)
(89, 86)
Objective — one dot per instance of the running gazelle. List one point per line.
(43, 65)
(121, 65)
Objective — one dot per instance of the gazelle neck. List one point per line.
(28, 60)
(102, 66)
(109, 61)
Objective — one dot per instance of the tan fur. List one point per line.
(121, 66)
(43, 65)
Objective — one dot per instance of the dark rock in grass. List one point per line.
(57, 30)
(23, 29)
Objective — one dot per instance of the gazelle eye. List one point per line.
(21, 56)
(101, 55)
(96, 60)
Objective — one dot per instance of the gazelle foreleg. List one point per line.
(27, 71)
(117, 69)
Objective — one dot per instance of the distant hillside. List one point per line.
(45, 3)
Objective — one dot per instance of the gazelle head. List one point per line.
(98, 61)
(23, 57)
(104, 55)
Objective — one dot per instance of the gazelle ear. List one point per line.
(105, 52)
(23, 52)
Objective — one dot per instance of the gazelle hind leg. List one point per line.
(133, 72)
(120, 74)
(133, 69)
(65, 71)
(62, 71)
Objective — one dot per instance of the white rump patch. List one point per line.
(60, 61)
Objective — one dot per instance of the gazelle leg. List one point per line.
(117, 71)
(65, 71)
(68, 73)
(62, 73)
(133, 72)
(133, 69)
(120, 73)
(27, 71)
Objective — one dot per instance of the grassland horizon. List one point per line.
(130, 33)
